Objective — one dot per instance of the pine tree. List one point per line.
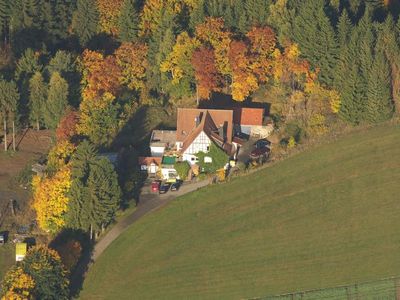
(257, 12)
(57, 100)
(104, 193)
(344, 28)
(316, 37)
(4, 17)
(85, 21)
(37, 99)
(379, 106)
(128, 23)
(95, 193)
(197, 15)
(9, 97)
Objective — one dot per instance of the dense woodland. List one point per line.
(84, 67)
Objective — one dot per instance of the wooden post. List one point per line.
(12, 207)
(13, 128)
(5, 134)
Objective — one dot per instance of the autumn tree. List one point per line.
(17, 285)
(100, 75)
(66, 129)
(132, 60)
(262, 45)
(50, 199)
(37, 99)
(213, 32)
(57, 100)
(99, 119)
(243, 79)
(208, 78)
(109, 12)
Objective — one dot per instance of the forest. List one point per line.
(84, 68)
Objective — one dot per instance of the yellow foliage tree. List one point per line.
(50, 199)
(131, 58)
(109, 12)
(60, 154)
(17, 285)
(213, 32)
(178, 62)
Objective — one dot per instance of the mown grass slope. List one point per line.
(328, 216)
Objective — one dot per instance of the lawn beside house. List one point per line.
(328, 216)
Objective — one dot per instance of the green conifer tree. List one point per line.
(316, 37)
(37, 99)
(379, 106)
(128, 22)
(85, 21)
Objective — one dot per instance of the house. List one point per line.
(151, 165)
(162, 141)
(198, 128)
(246, 118)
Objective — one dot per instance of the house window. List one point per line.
(208, 148)
(193, 159)
(208, 160)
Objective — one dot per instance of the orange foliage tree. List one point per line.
(262, 45)
(100, 74)
(109, 12)
(132, 60)
(213, 33)
(243, 79)
(206, 73)
(67, 127)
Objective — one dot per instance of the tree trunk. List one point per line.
(91, 232)
(13, 128)
(197, 95)
(37, 125)
(5, 134)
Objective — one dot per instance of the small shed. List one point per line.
(20, 251)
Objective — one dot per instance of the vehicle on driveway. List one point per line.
(263, 143)
(2, 238)
(155, 186)
(259, 153)
(175, 186)
(164, 188)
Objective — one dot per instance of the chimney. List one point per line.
(196, 121)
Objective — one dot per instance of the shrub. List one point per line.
(182, 168)
(218, 159)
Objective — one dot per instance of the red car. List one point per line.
(259, 152)
(155, 186)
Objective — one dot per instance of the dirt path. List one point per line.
(148, 202)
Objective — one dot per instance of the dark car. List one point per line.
(175, 186)
(259, 152)
(155, 186)
(263, 143)
(164, 188)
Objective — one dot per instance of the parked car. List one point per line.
(263, 143)
(2, 238)
(259, 152)
(175, 186)
(155, 186)
(164, 188)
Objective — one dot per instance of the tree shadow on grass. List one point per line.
(77, 266)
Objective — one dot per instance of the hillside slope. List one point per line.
(325, 217)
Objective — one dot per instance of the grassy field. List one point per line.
(326, 217)
(7, 258)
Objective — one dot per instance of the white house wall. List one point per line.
(200, 144)
(157, 151)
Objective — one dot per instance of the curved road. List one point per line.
(148, 202)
